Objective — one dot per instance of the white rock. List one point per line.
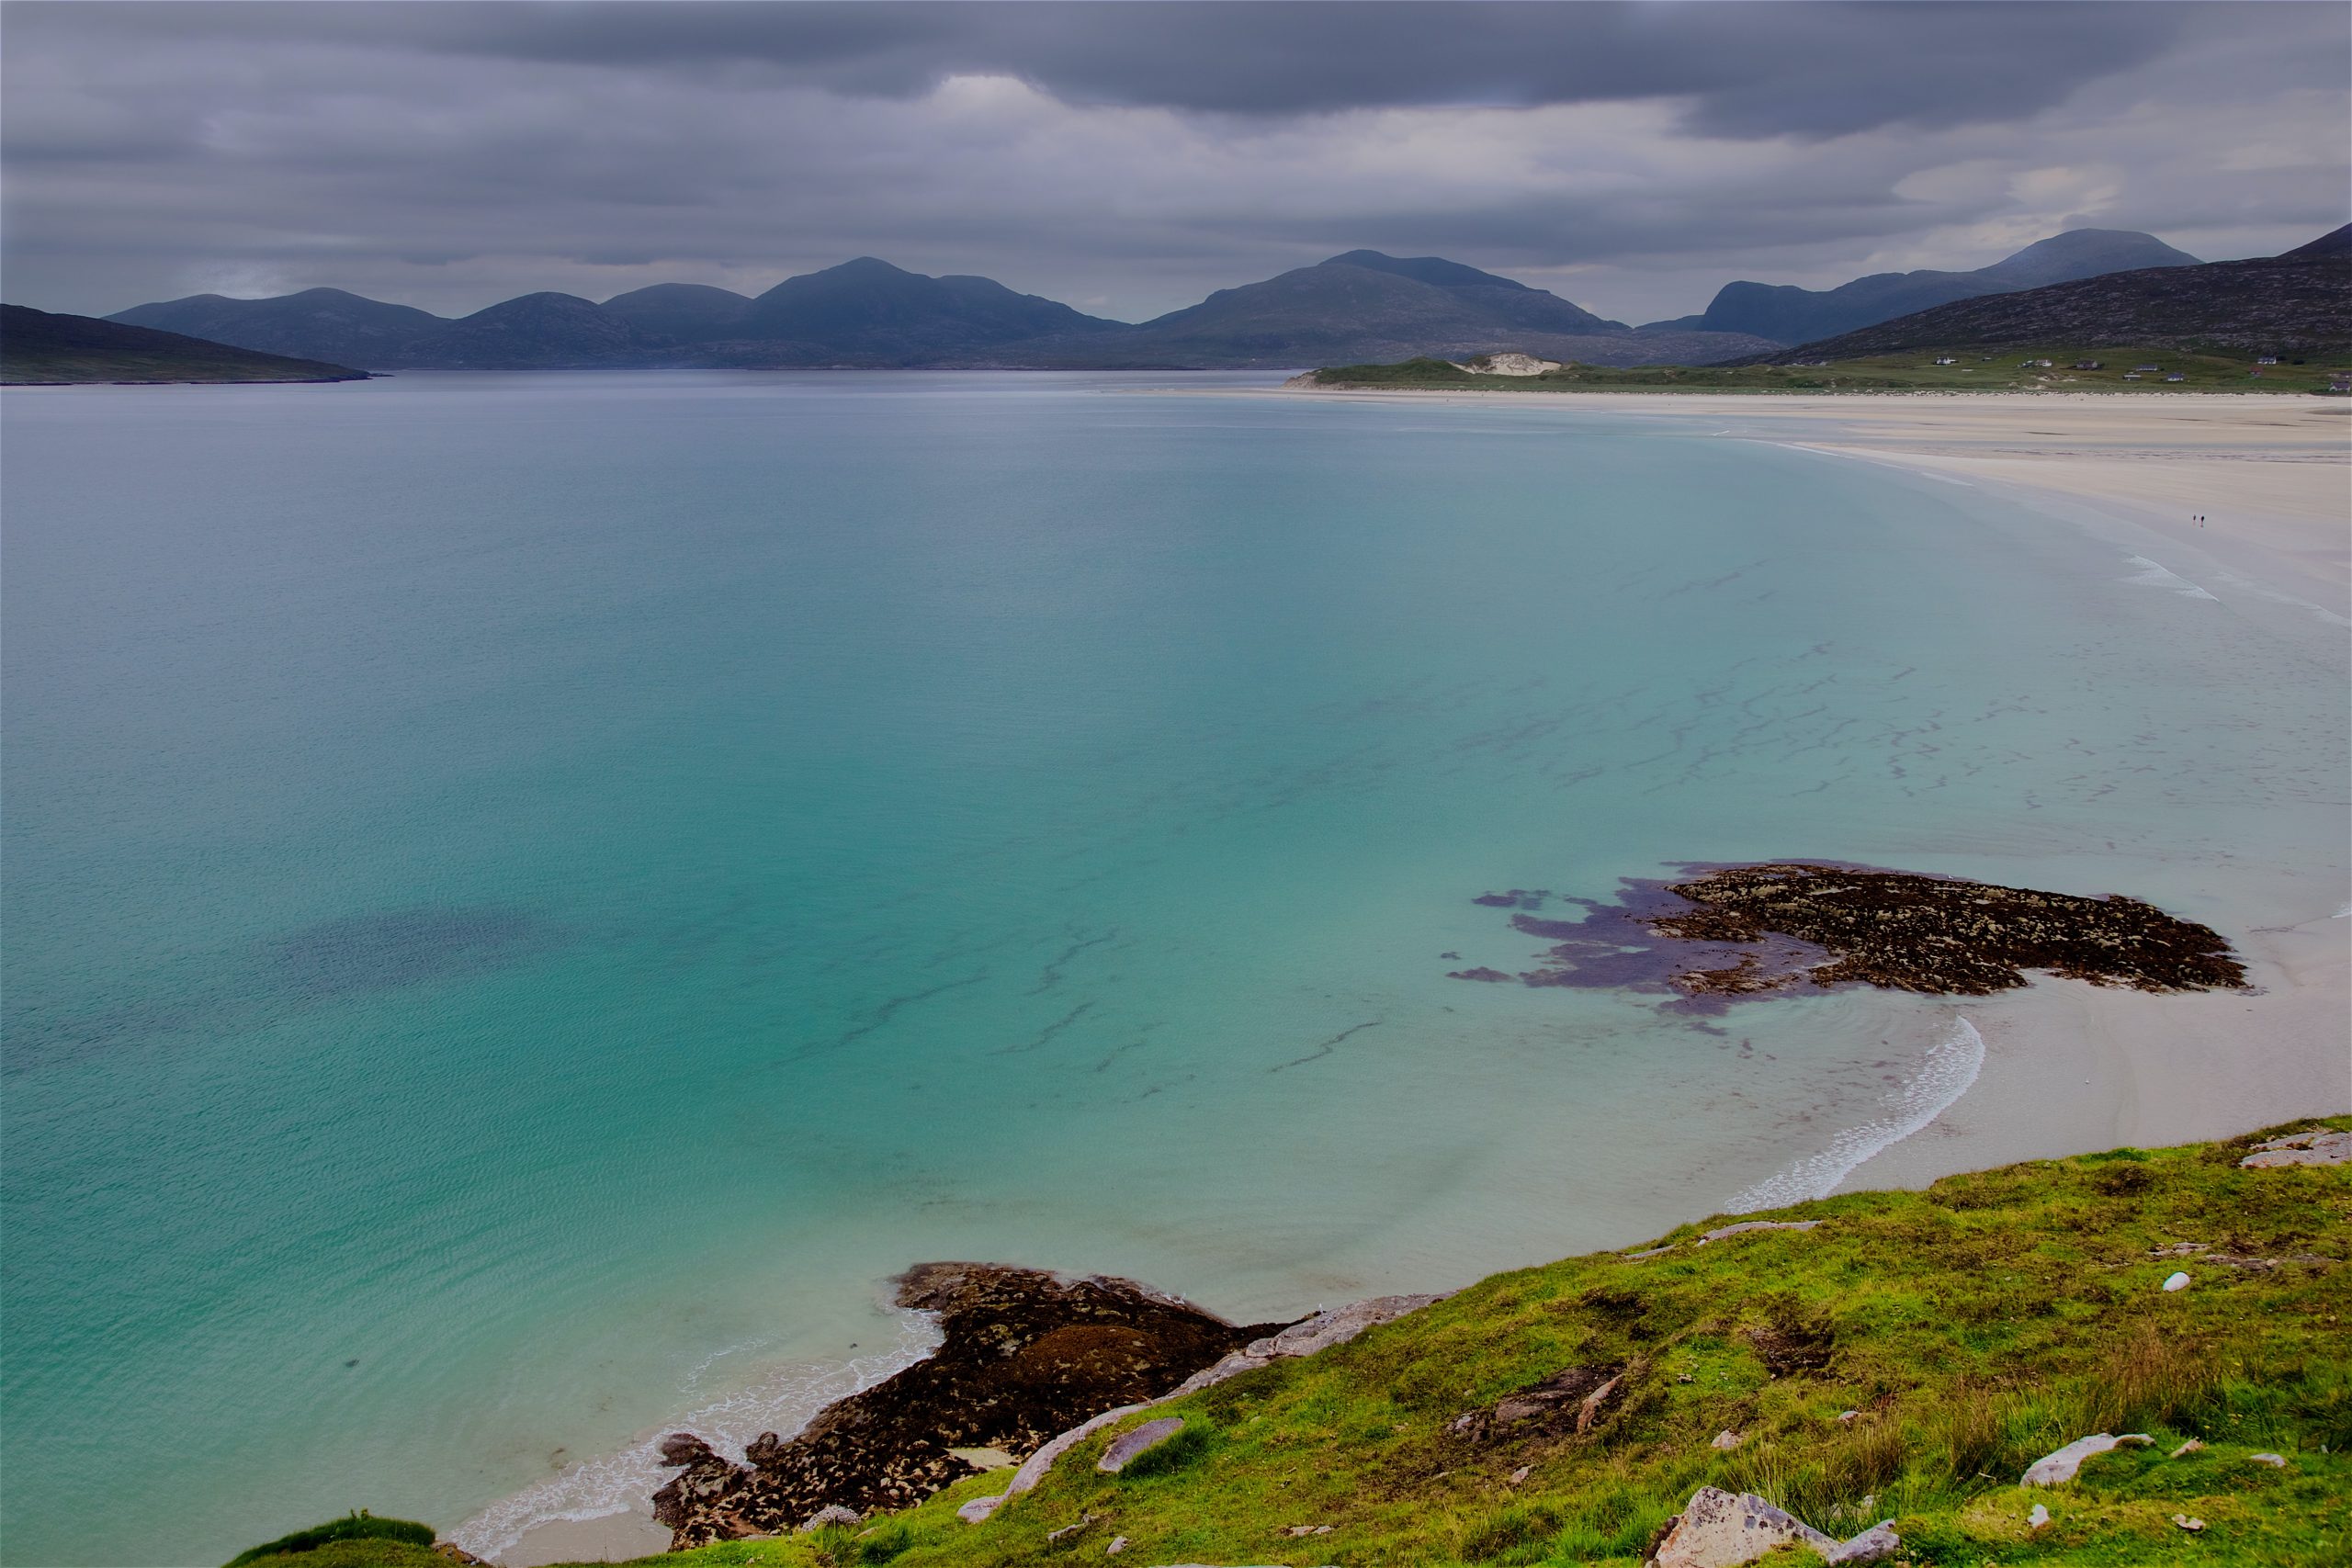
(1717, 1530)
(1118, 1544)
(1877, 1542)
(2058, 1467)
(1519, 1477)
(1320, 1332)
(1127, 1447)
(980, 1508)
(2189, 1447)
(2275, 1460)
(2185, 1522)
(2039, 1519)
(1848, 1417)
(1725, 1440)
(2176, 1282)
(1653, 1252)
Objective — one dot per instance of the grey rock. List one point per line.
(2277, 1461)
(1653, 1252)
(1746, 1226)
(1127, 1447)
(2039, 1519)
(1872, 1545)
(1726, 1441)
(1084, 1522)
(830, 1514)
(2058, 1467)
(1320, 1332)
(1717, 1530)
(1118, 1544)
(2314, 1146)
(980, 1508)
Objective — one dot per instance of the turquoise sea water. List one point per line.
(527, 897)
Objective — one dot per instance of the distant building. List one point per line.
(2033, 365)
(2147, 369)
(2130, 375)
(2340, 381)
(2089, 365)
(2267, 359)
(2175, 376)
(1947, 360)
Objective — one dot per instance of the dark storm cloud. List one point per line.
(1745, 69)
(1130, 157)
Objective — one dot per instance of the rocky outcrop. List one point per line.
(1323, 1330)
(2315, 1145)
(1024, 1355)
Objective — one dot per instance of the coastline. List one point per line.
(2065, 1067)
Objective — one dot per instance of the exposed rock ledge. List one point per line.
(1024, 1355)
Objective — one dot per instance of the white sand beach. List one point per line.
(2069, 1067)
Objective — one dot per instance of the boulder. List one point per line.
(1727, 1441)
(980, 1508)
(2175, 1280)
(1872, 1545)
(1127, 1447)
(2314, 1146)
(1717, 1530)
(2055, 1469)
(830, 1514)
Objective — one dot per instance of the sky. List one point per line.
(1129, 156)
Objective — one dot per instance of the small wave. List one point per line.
(2155, 574)
(784, 1401)
(1949, 1068)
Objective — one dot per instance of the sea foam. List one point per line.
(784, 1401)
(1944, 1074)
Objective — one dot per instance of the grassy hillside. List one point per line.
(1969, 1329)
(1975, 371)
(39, 349)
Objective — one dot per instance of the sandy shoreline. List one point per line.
(2067, 1067)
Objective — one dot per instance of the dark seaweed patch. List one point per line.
(1735, 933)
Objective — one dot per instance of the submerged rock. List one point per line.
(1024, 1355)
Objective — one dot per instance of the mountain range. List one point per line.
(2296, 303)
(1790, 315)
(1358, 307)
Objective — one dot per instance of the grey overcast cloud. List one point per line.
(1127, 158)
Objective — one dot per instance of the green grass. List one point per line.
(1910, 372)
(1974, 1326)
(353, 1539)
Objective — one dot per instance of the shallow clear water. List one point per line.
(528, 896)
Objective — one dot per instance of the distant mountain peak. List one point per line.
(1426, 269)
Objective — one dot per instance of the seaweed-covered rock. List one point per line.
(1749, 931)
(1024, 1355)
